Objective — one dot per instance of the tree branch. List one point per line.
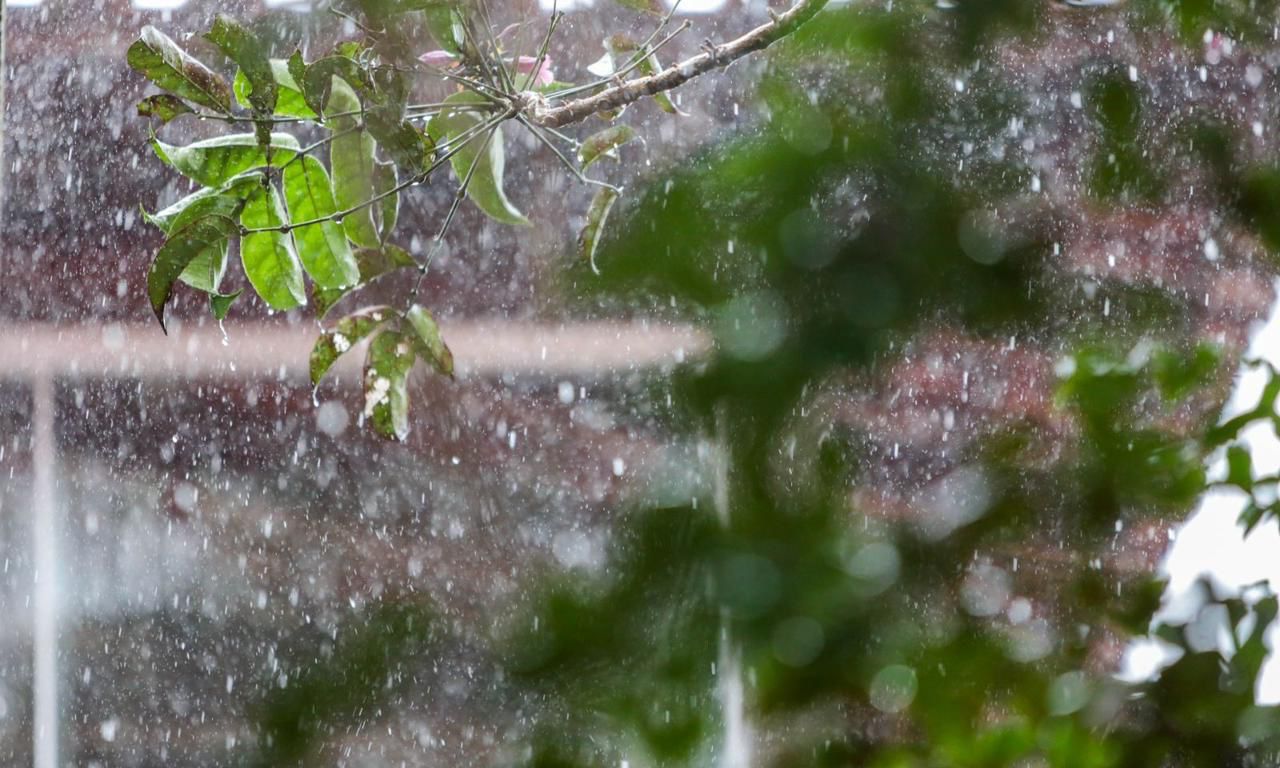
(715, 57)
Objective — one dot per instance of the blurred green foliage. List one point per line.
(814, 245)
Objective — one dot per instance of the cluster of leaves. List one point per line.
(826, 608)
(298, 221)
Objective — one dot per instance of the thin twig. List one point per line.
(355, 21)
(448, 219)
(546, 45)
(678, 74)
(616, 76)
(567, 162)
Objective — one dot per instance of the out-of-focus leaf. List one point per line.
(597, 214)
(348, 332)
(162, 62)
(388, 209)
(603, 144)
(408, 147)
(178, 252)
(269, 260)
(1240, 467)
(163, 106)
(214, 161)
(485, 189)
(322, 247)
(351, 158)
(220, 303)
(319, 81)
(250, 54)
(427, 341)
(289, 99)
(386, 392)
(623, 49)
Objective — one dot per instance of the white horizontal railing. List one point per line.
(480, 348)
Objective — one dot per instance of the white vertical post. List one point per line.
(46, 530)
(736, 750)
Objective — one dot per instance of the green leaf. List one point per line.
(213, 162)
(323, 247)
(386, 394)
(348, 332)
(224, 200)
(597, 214)
(220, 303)
(445, 25)
(622, 49)
(162, 62)
(163, 106)
(388, 209)
(289, 99)
(351, 158)
(248, 52)
(485, 189)
(427, 341)
(269, 260)
(178, 252)
(604, 143)
(206, 270)
(373, 263)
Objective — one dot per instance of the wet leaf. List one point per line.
(243, 47)
(351, 159)
(206, 270)
(269, 259)
(289, 99)
(348, 332)
(603, 144)
(427, 341)
(224, 200)
(597, 214)
(164, 107)
(160, 59)
(178, 252)
(214, 161)
(322, 247)
(220, 303)
(485, 189)
(386, 394)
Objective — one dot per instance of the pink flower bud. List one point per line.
(544, 76)
(439, 59)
